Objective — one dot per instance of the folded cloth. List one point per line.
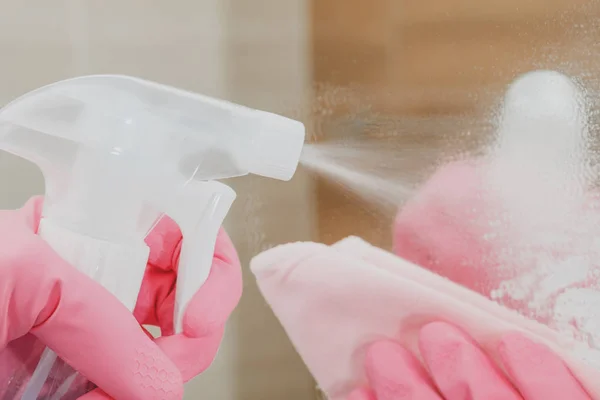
(334, 301)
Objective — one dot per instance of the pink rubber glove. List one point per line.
(455, 368)
(45, 296)
(84, 324)
(204, 320)
(205, 316)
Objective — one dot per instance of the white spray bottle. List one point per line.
(119, 152)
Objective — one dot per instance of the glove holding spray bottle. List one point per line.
(43, 295)
(118, 154)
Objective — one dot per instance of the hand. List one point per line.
(204, 320)
(69, 312)
(89, 345)
(457, 369)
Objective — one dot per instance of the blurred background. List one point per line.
(418, 75)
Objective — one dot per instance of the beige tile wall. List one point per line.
(253, 52)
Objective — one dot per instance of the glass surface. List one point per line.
(390, 91)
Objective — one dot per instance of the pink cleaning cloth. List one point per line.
(335, 301)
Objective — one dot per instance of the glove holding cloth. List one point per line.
(334, 302)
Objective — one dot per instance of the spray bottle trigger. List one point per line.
(202, 208)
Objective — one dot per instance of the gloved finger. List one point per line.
(395, 374)
(362, 394)
(158, 285)
(20, 255)
(96, 394)
(192, 355)
(194, 349)
(460, 369)
(537, 372)
(92, 331)
(211, 306)
(99, 394)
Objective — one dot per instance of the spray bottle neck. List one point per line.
(102, 199)
(119, 268)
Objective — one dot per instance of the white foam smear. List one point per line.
(539, 162)
(539, 173)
